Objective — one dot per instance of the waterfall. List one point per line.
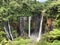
(6, 30)
(40, 30)
(29, 26)
(22, 25)
(10, 30)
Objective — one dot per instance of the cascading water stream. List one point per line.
(29, 26)
(40, 30)
(6, 30)
(36, 36)
(10, 30)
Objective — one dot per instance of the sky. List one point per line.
(41, 0)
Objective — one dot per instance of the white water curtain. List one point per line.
(40, 30)
(10, 30)
(29, 26)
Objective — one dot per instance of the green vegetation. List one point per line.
(18, 41)
(11, 13)
(51, 38)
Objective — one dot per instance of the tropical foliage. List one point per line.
(11, 12)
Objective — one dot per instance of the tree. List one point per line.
(53, 11)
